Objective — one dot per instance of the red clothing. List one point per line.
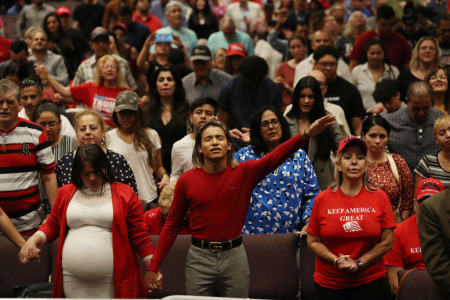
(129, 235)
(25, 151)
(286, 72)
(99, 98)
(5, 44)
(152, 21)
(397, 48)
(406, 251)
(349, 225)
(217, 203)
(154, 222)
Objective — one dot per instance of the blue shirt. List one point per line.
(281, 202)
(218, 40)
(13, 11)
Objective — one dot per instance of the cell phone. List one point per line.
(163, 38)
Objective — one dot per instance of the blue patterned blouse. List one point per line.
(119, 165)
(281, 202)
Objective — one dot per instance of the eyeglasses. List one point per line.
(438, 76)
(274, 122)
(221, 56)
(327, 64)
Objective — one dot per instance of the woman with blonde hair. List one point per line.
(438, 81)
(91, 129)
(99, 94)
(437, 165)
(350, 230)
(356, 25)
(425, 56)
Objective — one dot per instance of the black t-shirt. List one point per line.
(404, 80)
(88, 17)
(413, 38)
(346, 95)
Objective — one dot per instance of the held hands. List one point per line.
(320, 125)
(153, 281)
(41, 71)
(28, 252)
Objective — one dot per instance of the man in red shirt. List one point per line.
(141, 14)
(5, 44)
(217, 195)
(406, 252)
(397, 47)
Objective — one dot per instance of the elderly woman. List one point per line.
(99, 224)
(350, 230)
(281, 202)
(99, 94)
(91, 129)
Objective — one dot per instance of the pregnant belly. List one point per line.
(88, 253)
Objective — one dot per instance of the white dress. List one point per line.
(87, 256)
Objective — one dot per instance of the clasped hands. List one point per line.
(28, 252)
(153, 281)
(344, 262)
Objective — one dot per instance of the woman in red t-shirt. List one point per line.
(350, 230)
(99, 94)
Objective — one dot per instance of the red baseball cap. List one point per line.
(352, 140)
(236, 49)
(63, 11)
(428, 187)
(121, 26)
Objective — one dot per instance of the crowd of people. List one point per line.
(121, 118)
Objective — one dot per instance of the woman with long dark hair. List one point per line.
(140, 146)
(202, 19)
(63, 43)
(288, 193)
(375, 69)
(167, 111)
(306, 107)
(100, 225)
(438, 81)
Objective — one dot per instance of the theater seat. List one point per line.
(416, 285)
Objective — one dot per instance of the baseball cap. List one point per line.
(127, 100)
(98, 32)
(236, 49)
(352, 140)
(200, 53)
(428, 187)
(63, 11)
(121, 26)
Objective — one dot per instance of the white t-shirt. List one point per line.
(182, 157)
(138, 161)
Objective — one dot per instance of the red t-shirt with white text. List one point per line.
(98, 98)
(406, 252)
(349, 225)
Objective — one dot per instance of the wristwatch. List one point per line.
(359, 264)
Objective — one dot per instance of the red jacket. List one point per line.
(129, 235)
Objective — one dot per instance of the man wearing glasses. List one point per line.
(30, 96)
(340, 91)
(24, 154)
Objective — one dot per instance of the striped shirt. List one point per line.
(24, 152)
(429, 166)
